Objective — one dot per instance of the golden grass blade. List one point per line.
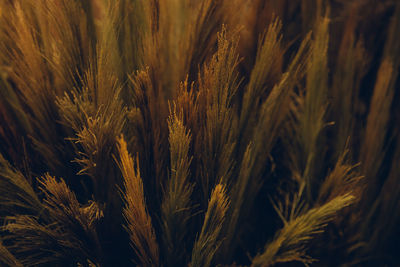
(308, 114)
(268, 54)
(288, 244)
(139, 226)
(149, 131)
(218, 84)
(175, 207)
(208, 241)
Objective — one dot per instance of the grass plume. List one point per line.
(286, 245)
(208, 241)
(138, 220)
(176, 206)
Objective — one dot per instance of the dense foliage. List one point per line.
(199, 133)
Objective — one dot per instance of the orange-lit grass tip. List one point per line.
(139, 226)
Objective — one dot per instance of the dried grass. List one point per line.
(223, 104)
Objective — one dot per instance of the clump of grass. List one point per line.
(173, 122)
